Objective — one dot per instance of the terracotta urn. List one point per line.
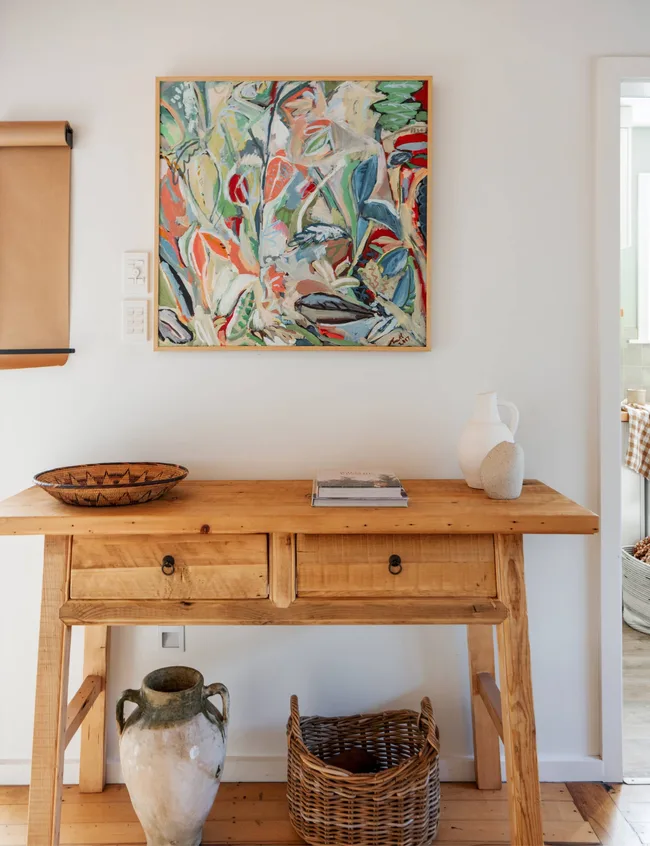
(172, 751)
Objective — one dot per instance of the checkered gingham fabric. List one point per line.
(638, 447)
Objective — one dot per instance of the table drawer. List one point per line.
(131, 567)
(428, 565)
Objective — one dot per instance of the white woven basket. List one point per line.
(636, 591)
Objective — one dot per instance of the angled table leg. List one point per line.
(517, 696)
(487, 752)
(51, 699)
(92, 766)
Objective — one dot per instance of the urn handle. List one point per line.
(222, 690)
(127, 696)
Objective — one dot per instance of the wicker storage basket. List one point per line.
(398, 806)
(636, 591)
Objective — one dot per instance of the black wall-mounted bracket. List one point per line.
(36, 352)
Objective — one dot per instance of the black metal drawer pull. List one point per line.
(168, 565)
(395, 565)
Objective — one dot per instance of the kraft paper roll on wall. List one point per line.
(46, 133)
(34, 242)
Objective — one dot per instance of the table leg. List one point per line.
(51, 699)
(487, 752)
(92, 766)
(517, 696)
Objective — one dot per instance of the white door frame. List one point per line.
(610, 73)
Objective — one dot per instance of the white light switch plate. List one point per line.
(135, 274)
(135, 320)
(172, 637)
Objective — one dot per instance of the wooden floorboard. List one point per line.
(256, 815)
(636, 703)
(598, 808)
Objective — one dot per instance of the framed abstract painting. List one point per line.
(293, 214)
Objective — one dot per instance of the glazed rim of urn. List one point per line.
(173, 680)
(173, 693)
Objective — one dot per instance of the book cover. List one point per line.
(319, 502)
(356, 500)
(358, 484)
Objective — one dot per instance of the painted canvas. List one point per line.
(293, 213)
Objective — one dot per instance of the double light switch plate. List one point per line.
(135, 306)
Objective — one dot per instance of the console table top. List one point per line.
(437, 506)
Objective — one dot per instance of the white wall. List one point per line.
(513, 309)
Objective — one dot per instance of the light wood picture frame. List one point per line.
(292, 213)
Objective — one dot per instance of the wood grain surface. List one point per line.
(256, 815)
(518, 713)
(487, 750)
(430, 565)
(436, 507)
(92, 763)
(303, 612)
(51, 697)
(219, 567)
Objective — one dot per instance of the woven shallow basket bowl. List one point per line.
(398, 806)
(100, 485)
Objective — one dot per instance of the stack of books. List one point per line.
(358, 488)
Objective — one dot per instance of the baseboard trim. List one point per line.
(270, 768)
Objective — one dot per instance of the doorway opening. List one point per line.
(614, 225)
(634, 211)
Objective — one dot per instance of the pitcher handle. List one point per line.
(127, 696)
(222, 690)
(513, 422)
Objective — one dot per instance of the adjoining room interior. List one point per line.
(635, 382)
(259, 589)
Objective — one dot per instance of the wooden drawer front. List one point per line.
(432, 565)
(218, 567)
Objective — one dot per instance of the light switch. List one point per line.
(172, 637)
(135, 274)
(135, 320)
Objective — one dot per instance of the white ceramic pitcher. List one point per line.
(483, 432)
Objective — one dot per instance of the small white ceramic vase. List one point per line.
(502, 471)
(172, 751)
(483, 432)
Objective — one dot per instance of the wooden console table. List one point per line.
(246, 553)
